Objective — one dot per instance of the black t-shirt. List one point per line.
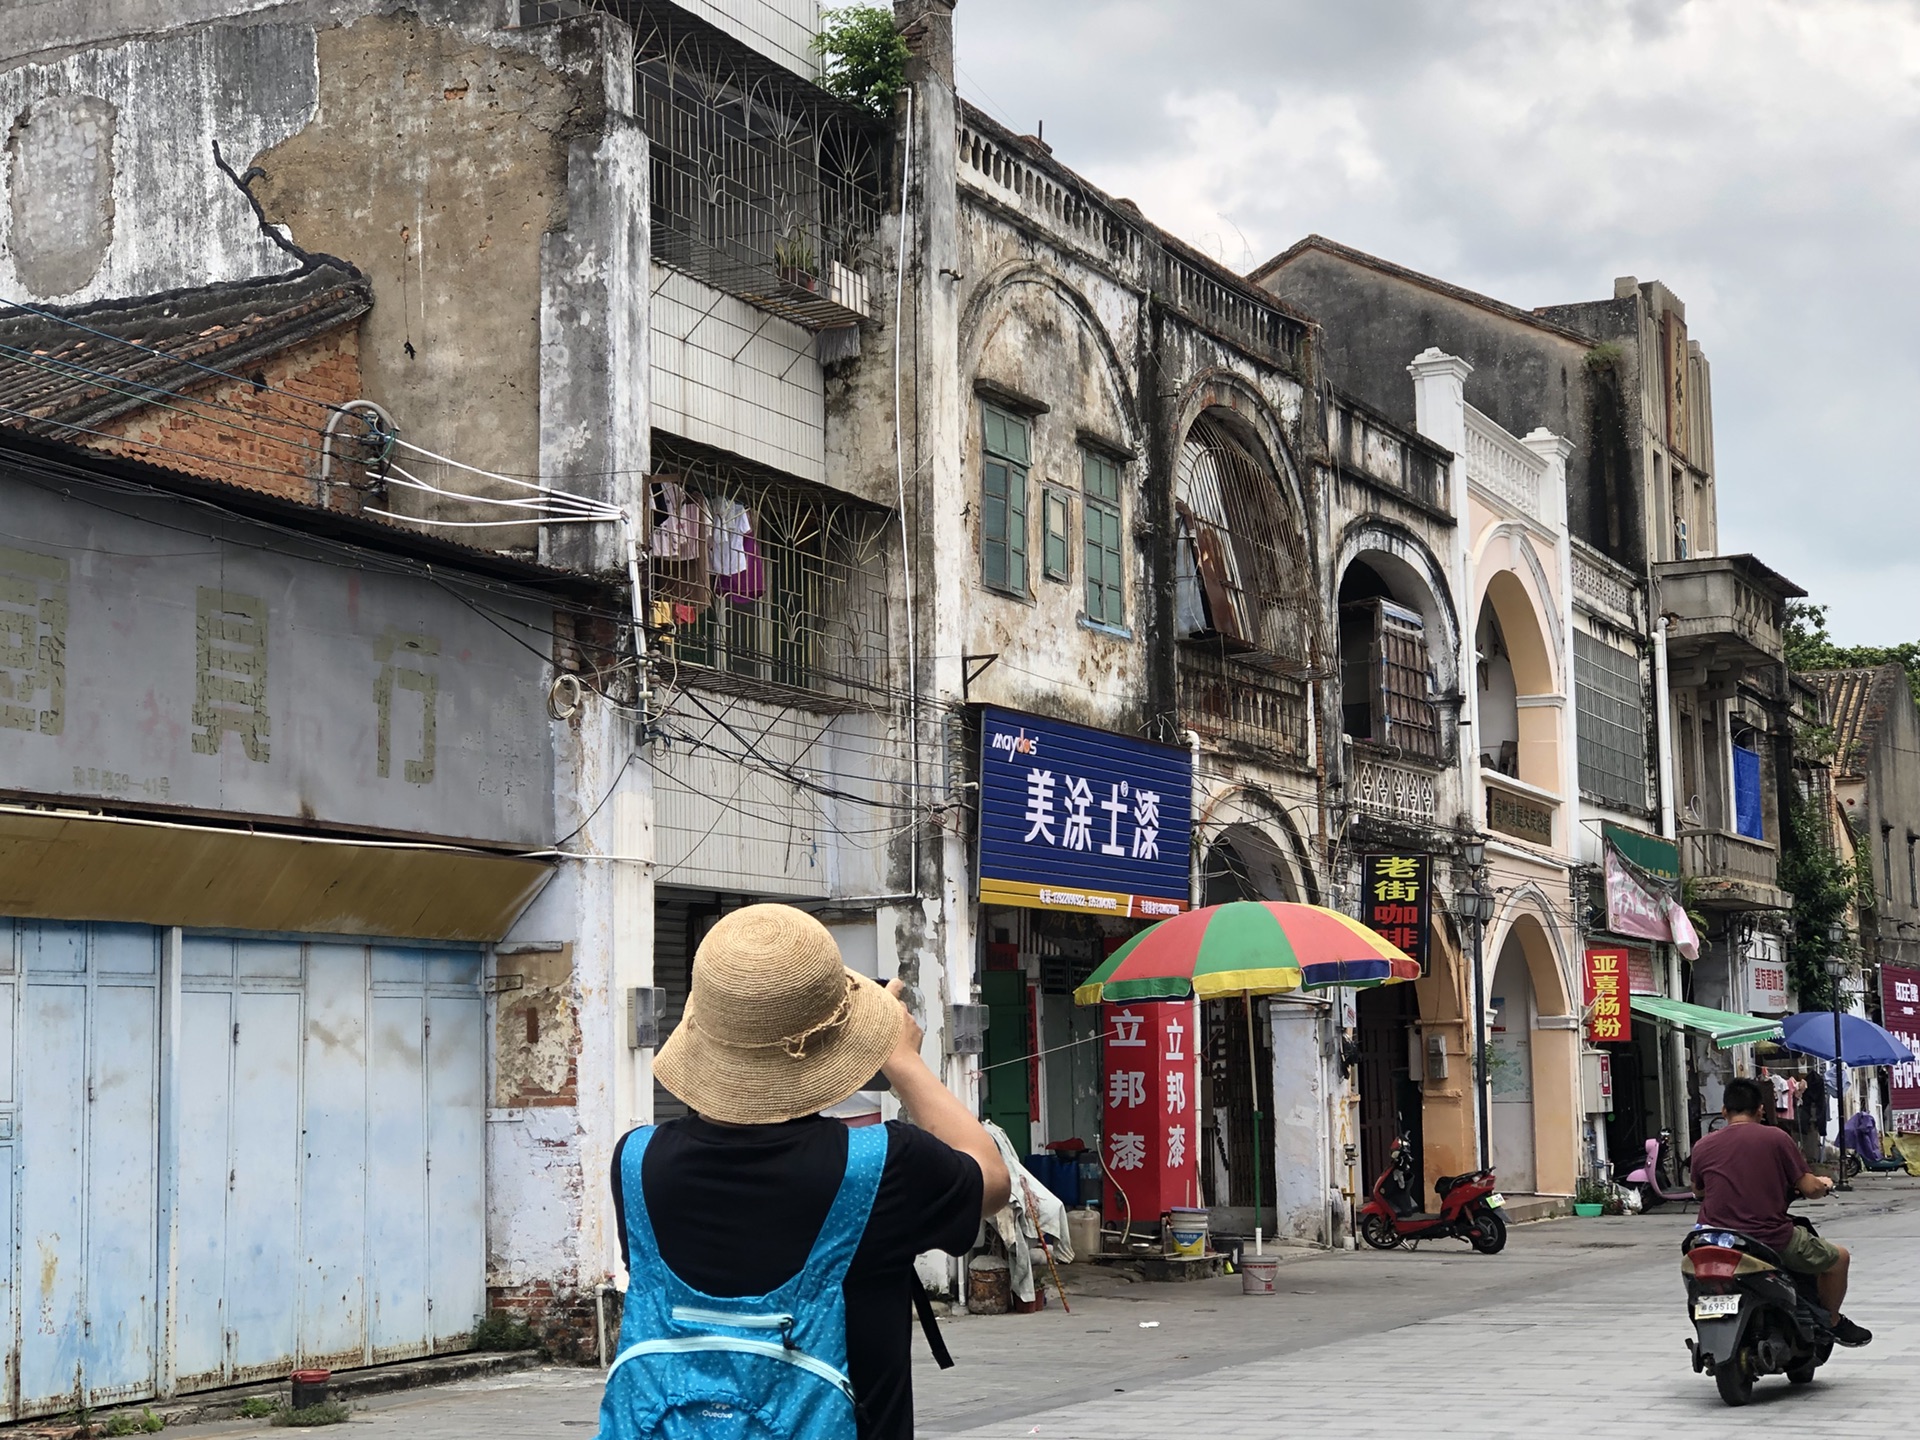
(736, 1210)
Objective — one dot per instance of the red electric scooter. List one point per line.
(1469, 1208)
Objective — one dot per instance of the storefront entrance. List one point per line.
(1510, 1069)
(1389, 1090)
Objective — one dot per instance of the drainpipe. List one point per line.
(1663, 727)
(1193, 848)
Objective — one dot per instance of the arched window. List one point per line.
(1242, 578)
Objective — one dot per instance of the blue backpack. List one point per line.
(761, 1367)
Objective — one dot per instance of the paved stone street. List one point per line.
(1578, 1322)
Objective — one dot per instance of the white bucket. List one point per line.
(1257, 1274)
(1187, 1232)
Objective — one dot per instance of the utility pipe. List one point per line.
(1663, 727)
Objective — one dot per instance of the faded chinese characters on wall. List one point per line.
(400, 658)
(230, 674)
(33, 641)
(230, 678)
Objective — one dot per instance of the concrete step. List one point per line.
(1522, 1208)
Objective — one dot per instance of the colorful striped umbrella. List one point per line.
(1248, 947)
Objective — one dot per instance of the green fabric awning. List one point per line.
(1725, 1028)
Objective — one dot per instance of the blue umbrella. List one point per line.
(1861, 1041)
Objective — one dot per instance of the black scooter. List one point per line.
(1751, 1315)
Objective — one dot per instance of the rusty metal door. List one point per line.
(274, 1155)
(85, 1325)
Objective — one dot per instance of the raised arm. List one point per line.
(938, 1111)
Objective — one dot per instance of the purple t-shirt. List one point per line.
(1746, 1175)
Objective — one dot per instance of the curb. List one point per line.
(345, 1385)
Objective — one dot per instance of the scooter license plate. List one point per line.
(1715, 1307)
(1496, 1200)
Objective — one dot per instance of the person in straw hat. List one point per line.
(735, 1196)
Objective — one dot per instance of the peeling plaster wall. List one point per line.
(436, 164)
(171, 218)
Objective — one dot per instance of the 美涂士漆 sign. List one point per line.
(1078, 819)
(1608, 1020)
(1396, 901)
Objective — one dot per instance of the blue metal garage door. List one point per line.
(275, 1145)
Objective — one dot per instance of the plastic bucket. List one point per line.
(1584, 1209)
(310, 1388)
(987, 1286)
(1186, 1233)
(1083, 1230)
(1257, 1274)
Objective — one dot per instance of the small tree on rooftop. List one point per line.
(864, 58)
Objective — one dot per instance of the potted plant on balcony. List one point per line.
(794, 259)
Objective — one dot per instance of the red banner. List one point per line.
(1900, 1013)
(1609, 1021)
(1150, 1125)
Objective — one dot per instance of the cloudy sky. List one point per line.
(1760, 156)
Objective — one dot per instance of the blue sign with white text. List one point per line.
(1078, 819)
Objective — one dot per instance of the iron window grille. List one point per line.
(1006, 443)
(1610, 722)
(761, 583)
(1245, 579)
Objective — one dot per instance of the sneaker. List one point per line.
(1845, 1332)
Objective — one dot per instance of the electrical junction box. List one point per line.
(1596, 1083)
(1436, 1068)
(644, 1009)
(966, 1029)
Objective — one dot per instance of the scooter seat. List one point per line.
(1447, 1182)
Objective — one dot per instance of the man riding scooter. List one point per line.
(1746, 1175)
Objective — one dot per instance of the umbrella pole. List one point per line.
(1253, 1074)
(1839, 1094)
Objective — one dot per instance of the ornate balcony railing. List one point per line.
(1393, 791)
(1501, 465)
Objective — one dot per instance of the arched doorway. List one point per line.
(1512, 1009)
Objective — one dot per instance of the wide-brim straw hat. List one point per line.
(775, 1026)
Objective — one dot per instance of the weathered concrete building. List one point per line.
(1674, 652)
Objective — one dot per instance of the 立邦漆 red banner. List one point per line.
(1900, 1013)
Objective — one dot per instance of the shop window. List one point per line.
(1106, 587)
(1612, 722)
(1386, 683)
(1055, 558)
(1006, 443)
(1242, 577)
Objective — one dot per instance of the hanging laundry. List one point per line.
(727, 549)
(680, 522)
(751, 583)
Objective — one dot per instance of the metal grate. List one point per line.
(1611, 722)
(1244, 574)
(763, 185)
(763, 582)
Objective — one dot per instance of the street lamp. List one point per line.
(1474, 906)
(1837, 968)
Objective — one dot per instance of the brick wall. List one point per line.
(562, 1319)
(260, 432)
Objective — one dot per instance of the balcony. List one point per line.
(1391, 790)
(1724, 613)
(1731, 872)
(1242, 706)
